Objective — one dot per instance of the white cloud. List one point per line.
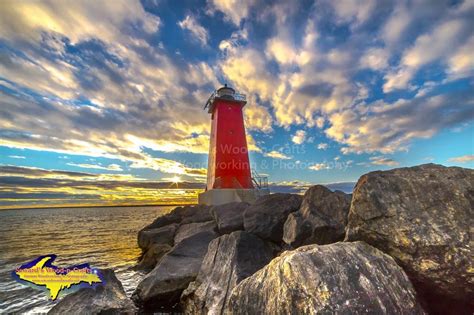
(277, 155)
(323, 146)
(462, 159)
(16, 157)
(319, 166)
(197, 30)
(299, 137)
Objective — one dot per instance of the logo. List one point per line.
(41, 274)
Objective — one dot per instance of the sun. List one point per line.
(175, 179)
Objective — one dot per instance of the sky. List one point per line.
(101, 102)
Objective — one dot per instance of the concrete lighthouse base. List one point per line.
(215, 197)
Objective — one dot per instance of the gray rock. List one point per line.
(152, 256)
(101, 299)
(161, 235)
(229, 217)
(198, 213)
(266, 217)
(421, 216)
(190, 229)
(340, 278)
(229, 259)
(321, 218)
(161, 288)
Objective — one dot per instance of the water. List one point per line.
(102, 237)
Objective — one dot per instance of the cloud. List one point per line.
(427, 48)
(387, 128)
(198, 31)
(41, 187)
(277, 155)
(462, 159)
(320, 166)
(381, 160)
(110, 167)
(16, 157)
(323, 146)
(299, 137)
(234, 11)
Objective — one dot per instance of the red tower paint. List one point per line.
(228, 164)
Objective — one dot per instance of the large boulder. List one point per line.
(229, 259)
(321, 219)
(161, 235)
(266, 217)
(340, 278)
(229, 217)
(190, 229)
(161, 288)
(421, 216)
(100, 299)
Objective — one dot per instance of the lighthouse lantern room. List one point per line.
(229, 175)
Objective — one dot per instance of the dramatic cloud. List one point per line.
(126, 81)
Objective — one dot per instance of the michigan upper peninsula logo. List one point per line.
(43, 275)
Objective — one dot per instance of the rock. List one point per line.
(198, 213)
(152, 256)
(161, 288)
(101, 299)
(321, 218)
(266, 217)
(190, 229)
(421, 216)
(161, 235)
(229, 217)
(183, 215)
(340, 278)
(230, 259)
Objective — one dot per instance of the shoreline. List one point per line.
(99, 206)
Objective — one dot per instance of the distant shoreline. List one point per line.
(98, 206)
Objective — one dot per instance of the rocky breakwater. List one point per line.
(401, 245)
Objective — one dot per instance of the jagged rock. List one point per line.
(321, 218)
(230, 259)
(229, 217)
(190, 229)
(101, 299)
(268, 214)
(340, 278)
(152, 256)
(161, 235)
(421, 216)
(162, 287)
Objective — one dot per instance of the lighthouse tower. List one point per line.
(229, 176)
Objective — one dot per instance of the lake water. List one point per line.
(102, 237)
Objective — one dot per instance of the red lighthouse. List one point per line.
(229, 176)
